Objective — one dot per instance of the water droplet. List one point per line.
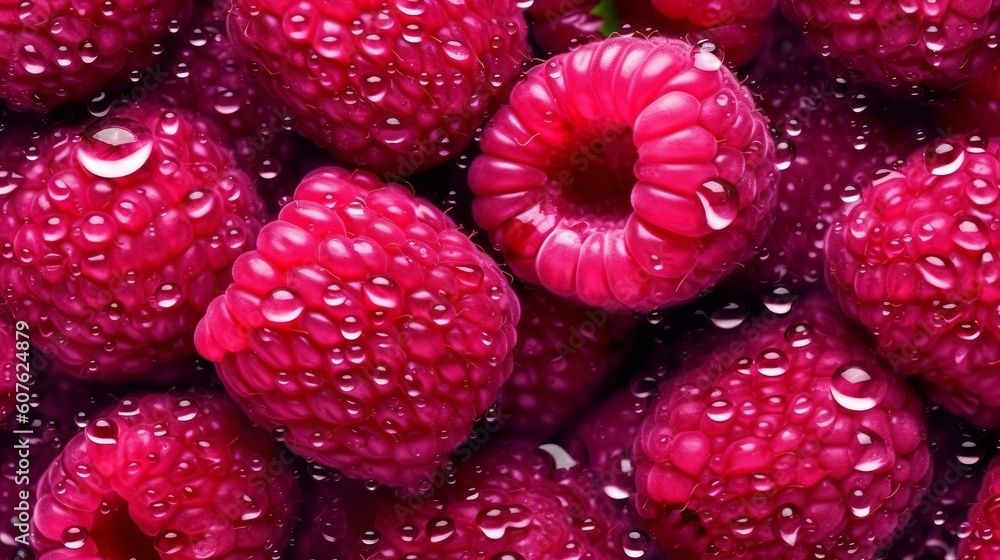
(708, 55)
(440, 529)
(771, 363)
(720, 200)
(799, 335)
(170, 542)
(720, 411)
(853, 388)
(186, 410)
(635, 543)
(780, 300)
(281, 306)
(199, 203)
(97, 228)
(102, 432)
(113, 148)
(167, 296)
(982, 191)
(870, 451)
(74, 537)
(789, 524)
(944, 157)
(785, 153)
(729, 316)
(970, 233)
(938, 272)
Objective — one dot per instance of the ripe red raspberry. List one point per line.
(789, 441)
(903, 44)
(974, 107)
(553, 182)
(829, 140)
(558, 25)
(507, 503)
(55, 51)
(392, 87)
(116, 237)
(183, 475)
(736, 26)
(979, 540)
(563, 357)
(916, 262)
(366, 329)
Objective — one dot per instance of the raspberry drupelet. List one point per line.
(790, 441)
(630, 174)
(393, 87)
(114, 237)
(181, 475)
(916, 262)
(366, 329)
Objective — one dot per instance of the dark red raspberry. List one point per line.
(336, 512)
(629, 174)
(564, 355)
(59, 405)
(829, 140)
(55, 51)
(509, 502)
(789, 441)
(974, 107)
(392, 87)
(961, 455)
(916, 262)
(182, 475)
(979, 533)
(735, 26)
(903, 44)
(366, 329)
(559, 25)
(116, 237)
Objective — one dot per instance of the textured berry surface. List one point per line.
(629, 174)
(563, 357)
(737, 26)
(116, 237)
(366, 328)
(392, 87)
(903, 44)
(829, 139)
(983, 522)
(789, 442)
(915, 261)
(509, 502)
(55, 51)
(167, 476)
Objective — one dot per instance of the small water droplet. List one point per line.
(708, 55)
(74, 537)
(720, 200)
(854, 388)
(281, 306)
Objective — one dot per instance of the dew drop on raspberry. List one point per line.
(9, 182)
(113, 148)
(634, 543)
(780, 300)
(853, 388)
(771, 363)
(166, 296)
(799, 335)
(938, 272)
(708, 55)
(74, 537)
(869, 451)
(186, 410)
(789, 523)
(720, 411)
(982, 191)
(170, 542)
(102, 432)
(281, 306)
(720, 200)
(944, 157)
(784, 151)
(969, 452)
(729, 316)
(507, 556)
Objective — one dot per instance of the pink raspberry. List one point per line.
(829, 140)
(902, 44)
(183, 475)
(979, 540)
(558, 25)
(506, 503)
(915, 261)
(116, 237)
(392, 87)
(563, 357)
(55, 51)
(790, 441)
(659, 115)
(736, 26)
(960, 460)
(366, 329)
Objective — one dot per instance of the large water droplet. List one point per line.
(102, 432)
(74, 537)
(440, 529)
(113, 148)
(938, 272)
(281, 306)
(944, 157)
(720, 200)
(853, 388)
(708, 55)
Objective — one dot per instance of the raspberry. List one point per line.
(392, 87)
(55, 51)
(975, 107)
(789, 442)
(978, 542)
(116, 237)
(736, 26)
(563, 356)
(167, 476)
(902, 45)
(505, 503)
(960, 461)
(558, 25)
(828, 142)
(915, 261)
(548, 182)
(366, 329)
